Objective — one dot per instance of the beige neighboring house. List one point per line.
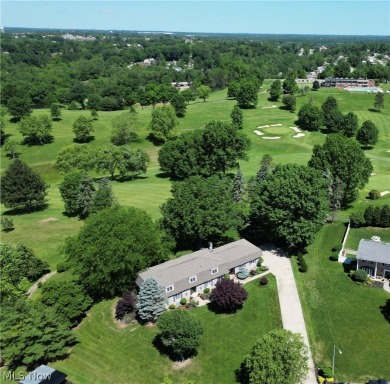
(374, 258)
(190, 274)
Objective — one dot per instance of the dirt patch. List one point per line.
(181, 364)
(48, 220)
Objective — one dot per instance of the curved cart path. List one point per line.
(290, 305)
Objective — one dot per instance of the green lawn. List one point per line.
(338, 311)
(108, 354)
(356, 234)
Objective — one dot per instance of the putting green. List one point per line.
(277, 131)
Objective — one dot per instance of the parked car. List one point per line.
(379, 381)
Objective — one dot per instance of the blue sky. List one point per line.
(351, 17)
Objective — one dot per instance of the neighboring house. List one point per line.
(44, 375)
(374, 258)
(191, 274)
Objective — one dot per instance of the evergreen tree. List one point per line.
(151, 300)
(86, 196)
(385, 216)
(70, 191)
(316, 85)
(333, 118)
(178, 102)
(376, 218)
(369, 215)
(55, 112)
(290, 102)
(265, 168)
(336, 195)
(103, 198)
(276, 90)
(310, 117)
(22, 188)
(239, 187)
(237, 117)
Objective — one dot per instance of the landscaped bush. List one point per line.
(242, 273)
(172, 306)
(302, 264)
(183, 301)
(7, 224)
(263, 281)
(206, 290)
(260, 261)
(228, 296)
(204, 296)
(360, 275)
(226, 276)
(193, 303)
(263, 268)
(252, 272)
(357, 219)
(337, 248)
(334, 257)
(374, 194)
(62, 267)
(125, 305)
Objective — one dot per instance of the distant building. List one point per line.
(374, 258)
(301, 52)
(44, 375)
(346, 82)
(323, 48)
(182, 85)
(191, 274)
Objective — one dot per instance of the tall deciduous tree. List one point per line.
(67, 298)
(346, 161)
(368, 134)
(178, 102)
(19, 107)
(36, 129)
(55, 112)
(112, 247)
(163, 123)
(291, 205)
(207, 217)
(247, 95)
(289, 84)
(83, 129)
(152, 300)
(181, 332)
(124, 128)
(350, 124)
(278, 357)
(237, 117)
(32, 334)
(10, 145)
(70, 190)
(23, 188)
(310, 117)
(333, 118)
(289, 102)
(189, 95)
(379, 102)
(203, 92)
(74, 157)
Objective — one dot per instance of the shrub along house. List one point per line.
(374, 258)
(191, 274)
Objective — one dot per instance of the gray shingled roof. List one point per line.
(371, 250)
(200, 263)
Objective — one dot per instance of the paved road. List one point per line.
(290, 305)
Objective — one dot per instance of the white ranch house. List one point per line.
(374, 258)
(190, 274)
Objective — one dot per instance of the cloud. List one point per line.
(107, 10)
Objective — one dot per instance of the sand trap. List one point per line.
(382, 193)
(388, 150)
(263, 126)
(298, 135)
(276, 125)
(272, 138)
(373, 174)
(273, 106)
(258, 133)
(296, 129)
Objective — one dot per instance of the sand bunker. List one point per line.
(263, 126)
(296, 129)
(388, 150)
(382, 193)
(272, 106)
(276, 125)
(272, 138)
(298, 135)
(373, 174)
(258, 133)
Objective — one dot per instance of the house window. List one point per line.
(170, 288)
(192, 279)
(214, 271)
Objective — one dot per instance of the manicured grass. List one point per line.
(356, 234)
(109, 354)
(339, 312)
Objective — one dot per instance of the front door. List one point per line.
(387, 274)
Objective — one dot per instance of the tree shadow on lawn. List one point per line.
(166, 351)
(373, 110)
(223, 311)
(385, 310)
(32, 141)
(25, 210)
(163, 175)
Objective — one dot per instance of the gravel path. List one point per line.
(34, 287)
